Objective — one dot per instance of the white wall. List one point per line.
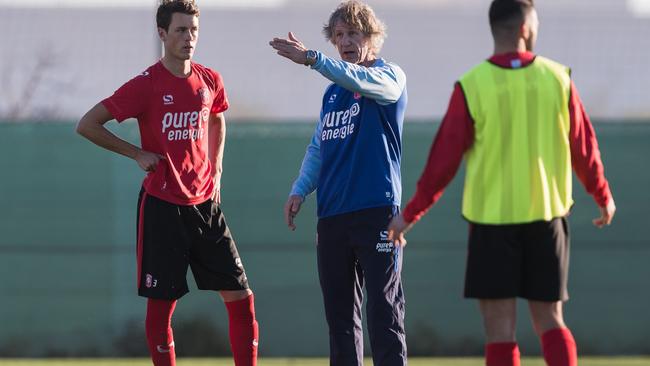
(58, 62)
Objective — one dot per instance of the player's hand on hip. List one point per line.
(290, 48)
(291, 209)
(606, 214)
(396, 230)
(148, 161)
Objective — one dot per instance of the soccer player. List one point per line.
(353, 161)
(180, 108)
(518, 120)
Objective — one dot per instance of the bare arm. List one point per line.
(91, 126)
(216, 142)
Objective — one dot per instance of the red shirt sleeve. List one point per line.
(455, 136)
(220, 102)
(585, 155)
(130, 100)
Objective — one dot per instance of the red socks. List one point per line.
(502, 354)
(243, 331)
(159, 331)
(559, 347)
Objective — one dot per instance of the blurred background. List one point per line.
(67, 226)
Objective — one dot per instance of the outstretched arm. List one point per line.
(384, 83)
(291, 48)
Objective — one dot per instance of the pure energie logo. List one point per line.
(338, 124)
(185, 125)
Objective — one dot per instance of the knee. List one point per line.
(499, 319)
(242, 308)
(502, 330)
(546, 316)
(230, 296)
(542, 326)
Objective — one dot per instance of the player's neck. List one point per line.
(179, 68)
(502, 47)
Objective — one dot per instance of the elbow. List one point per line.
(391, 100)
(313, 149)
(395, 95)
(82, 128)
(391, 96)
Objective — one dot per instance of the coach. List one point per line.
(353, 161)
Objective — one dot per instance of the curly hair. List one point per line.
(168, 7)
(360, 16)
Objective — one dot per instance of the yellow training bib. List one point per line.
(519, 167)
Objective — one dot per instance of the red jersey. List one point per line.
(173, 114)
(456, 135)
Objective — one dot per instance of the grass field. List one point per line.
(439, 361)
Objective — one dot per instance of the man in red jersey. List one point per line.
(519, 122)
(179, 106)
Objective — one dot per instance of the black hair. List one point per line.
(509, 13)
(167, 8)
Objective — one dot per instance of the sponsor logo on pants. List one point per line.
(384, 246)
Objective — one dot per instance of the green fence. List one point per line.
(67, 259)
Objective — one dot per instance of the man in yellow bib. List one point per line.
(519, 122)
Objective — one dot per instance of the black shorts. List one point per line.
(523, 260)
(172, 237)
